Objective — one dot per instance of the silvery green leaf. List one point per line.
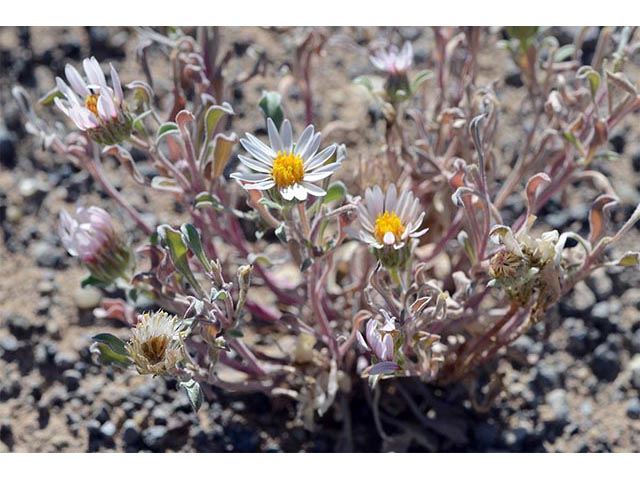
(271, 106)
(111, 350)
(194, 393)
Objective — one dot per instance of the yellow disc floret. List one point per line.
(388, 222)
(287, 169)
(91, 102)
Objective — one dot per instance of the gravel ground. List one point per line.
(571, 385)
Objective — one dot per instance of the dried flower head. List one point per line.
(155, 345)
(101, 111)
(289, 168)
(389, 220)
(94, 239)
(392, 60)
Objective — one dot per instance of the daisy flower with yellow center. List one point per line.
(284, 166)
(93, 106)
(389, 220)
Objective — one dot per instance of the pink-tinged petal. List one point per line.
(61, 106)
(266, 185)
(74, 78)
(117, 86)
(66, 91)
(94, 72)
(388, 342)
(106, 107)
(361, 342)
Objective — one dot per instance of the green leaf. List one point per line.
(111, 350)
(174, 242)
(93, 281)
(592, 76)
(271, 106)
(169, 128)
(213, 116)
(364, 81)
(306, 263)
(270, 203)
(336, 192)
(281, 233)
(630, 259)
(194, 393)
(192, 239)
(564, 52)
(208, 200)
(235, 333)
(421, 77)
(50, 97)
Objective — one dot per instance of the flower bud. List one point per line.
(93, 238)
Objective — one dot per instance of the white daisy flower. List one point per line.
(101, 111)
(379, 338)
(393, 61)
(290, 168)
(155, 345)
(389, 220)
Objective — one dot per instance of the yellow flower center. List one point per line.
(388, 222)
(91, 102)
(287, 169)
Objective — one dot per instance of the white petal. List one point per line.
(250, 177)
(254, 164)
(106, 107)
(321, 173)
(304, 139)
(391, 198)
(320, 158)
(274, 136)
(389, 238)
(286, 135)
(258, 149)
(311, 148)
(314, 190)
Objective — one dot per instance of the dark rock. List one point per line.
(618, 143)
(605, 315)
(65, 360)
(514, 79)
(102, 415)
(9, 388)
(486, 435)
(605, 363)
(547, 376)
(23, 328)
(6, 434)
(635, 162)
(72, 380)
(578, 336)
(514, 439)
(7, 149)
(131, 433)
(155, 437)
(242, 439)
(47, 256)
(633, 408)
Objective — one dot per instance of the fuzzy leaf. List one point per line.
(533, 185)
(336, 192)
(271, 106)
(629, 259)
(169, 128)
(592, 76)
(93, 281)
(194, 393)
(382, 368)
(174, 242)
(421, 77)
(192, 239)
(111, 350)
(208, 200)
(596, 216)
